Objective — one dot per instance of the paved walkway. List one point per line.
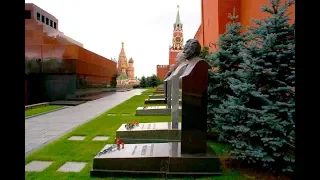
(45, 128)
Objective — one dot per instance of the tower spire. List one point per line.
(178, 16)
(122, 53)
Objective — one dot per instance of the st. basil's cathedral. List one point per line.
(125, 69)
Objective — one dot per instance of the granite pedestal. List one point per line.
(158, 92)
(154, 111)
(160, 96)
(162, 160)
(150, 133)
(157, 96)
(157, 101)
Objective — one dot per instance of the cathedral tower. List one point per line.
(177, 39)
(122, 61)
(130, 70)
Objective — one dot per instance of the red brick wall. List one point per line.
(162, 71)
(226, 7)
(199, 35)
(214, 17)
(252, 9)
(172, 57)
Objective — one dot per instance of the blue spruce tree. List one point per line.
(258, 120)
(226, 60)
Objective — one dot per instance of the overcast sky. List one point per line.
(145, 26)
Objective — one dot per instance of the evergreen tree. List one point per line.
(158, 81)
(148, 79)
(154, 81)
(227, 60)
(113, 82)
(204, 52)
(258, 120)
(143, 82)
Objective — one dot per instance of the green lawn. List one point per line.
(148, 91)
(39, 110)
(62, 150)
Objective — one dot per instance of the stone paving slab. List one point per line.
(37, 129)
(77, 138)
(100, 138)
(37, 166)
(125, 114)
(72, 167)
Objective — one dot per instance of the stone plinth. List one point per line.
(150, 133)
(157, 101)
(195, 102)
(162, 160)
(158, 92)
(157, 96)
(160, 96)
(154, 111)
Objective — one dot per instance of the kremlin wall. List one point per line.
(56, 63)
(214, 18)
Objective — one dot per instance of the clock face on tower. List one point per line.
(177, 39)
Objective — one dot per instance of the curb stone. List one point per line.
(45, 112)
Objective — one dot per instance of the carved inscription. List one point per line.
(154, 126)
(151, 151)
(142, 126)
(134, 149)
(149, 126)
(144, 150)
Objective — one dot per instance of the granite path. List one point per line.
(43, 129)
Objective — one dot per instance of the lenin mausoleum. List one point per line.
(214, 18)
(55, 64)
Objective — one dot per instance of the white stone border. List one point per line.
(63, 107)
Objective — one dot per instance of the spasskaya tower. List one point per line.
(175, 47)
(177, 39)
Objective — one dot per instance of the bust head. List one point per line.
(172, 67)
(180, 58)
(192, 49)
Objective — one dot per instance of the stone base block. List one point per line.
(150, 133)
(162, 160)
(159, 96)
(158, 101)
(154, 111)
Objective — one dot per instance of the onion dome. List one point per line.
(131, 60)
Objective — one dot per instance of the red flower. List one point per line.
(118, 141)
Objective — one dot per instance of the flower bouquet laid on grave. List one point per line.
(131, 125)
(119, 142)
(145, 107)
(107, 150)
